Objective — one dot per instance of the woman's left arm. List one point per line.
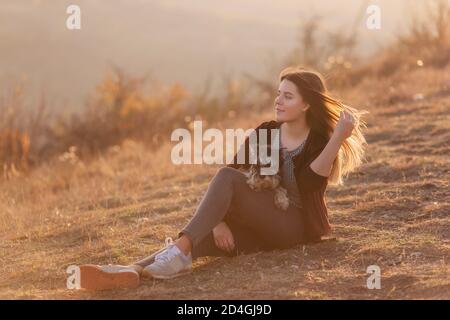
(323, 164)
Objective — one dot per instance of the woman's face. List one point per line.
(289, 104)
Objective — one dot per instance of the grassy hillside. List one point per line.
(392, 212)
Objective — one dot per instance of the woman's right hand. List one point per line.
(345, 125)
(223, 237)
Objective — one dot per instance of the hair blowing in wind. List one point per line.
(323, 116)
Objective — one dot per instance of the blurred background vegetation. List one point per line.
(124, 106)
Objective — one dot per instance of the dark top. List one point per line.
(288, 180)
(311, 186)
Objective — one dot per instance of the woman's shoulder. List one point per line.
(271, 124)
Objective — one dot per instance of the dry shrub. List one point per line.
(429, 39)
(330, 52)
(125, 107)
(121, 108)
(14, 152)
(21, 132)
(425, 44)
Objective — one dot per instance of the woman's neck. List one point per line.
(297, 129)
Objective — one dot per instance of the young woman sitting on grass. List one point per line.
(321, 140)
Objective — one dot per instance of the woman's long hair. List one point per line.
(322, 117)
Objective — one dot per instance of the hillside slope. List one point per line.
(392, 212)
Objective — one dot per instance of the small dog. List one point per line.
(259, 182)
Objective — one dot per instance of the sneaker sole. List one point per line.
(147, 275)
(92, 277)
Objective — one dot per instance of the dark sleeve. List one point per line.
(245, 145)
(310, 181)
(235, 164)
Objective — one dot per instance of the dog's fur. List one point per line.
(259, 182)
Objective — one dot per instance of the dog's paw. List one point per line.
(281, 198)
(275, 181)
(254, 186)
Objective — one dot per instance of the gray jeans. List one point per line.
(254, 220)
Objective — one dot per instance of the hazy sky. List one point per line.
(184, 40)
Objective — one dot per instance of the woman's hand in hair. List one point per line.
(323, 164)
(223, 237)
(345, 125)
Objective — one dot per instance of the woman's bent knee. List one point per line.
(228, 172)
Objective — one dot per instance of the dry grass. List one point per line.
(393, 212)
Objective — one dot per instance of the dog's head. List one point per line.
(260, 182)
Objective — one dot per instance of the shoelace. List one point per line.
(167, 254)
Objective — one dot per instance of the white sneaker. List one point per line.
(170, 263)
